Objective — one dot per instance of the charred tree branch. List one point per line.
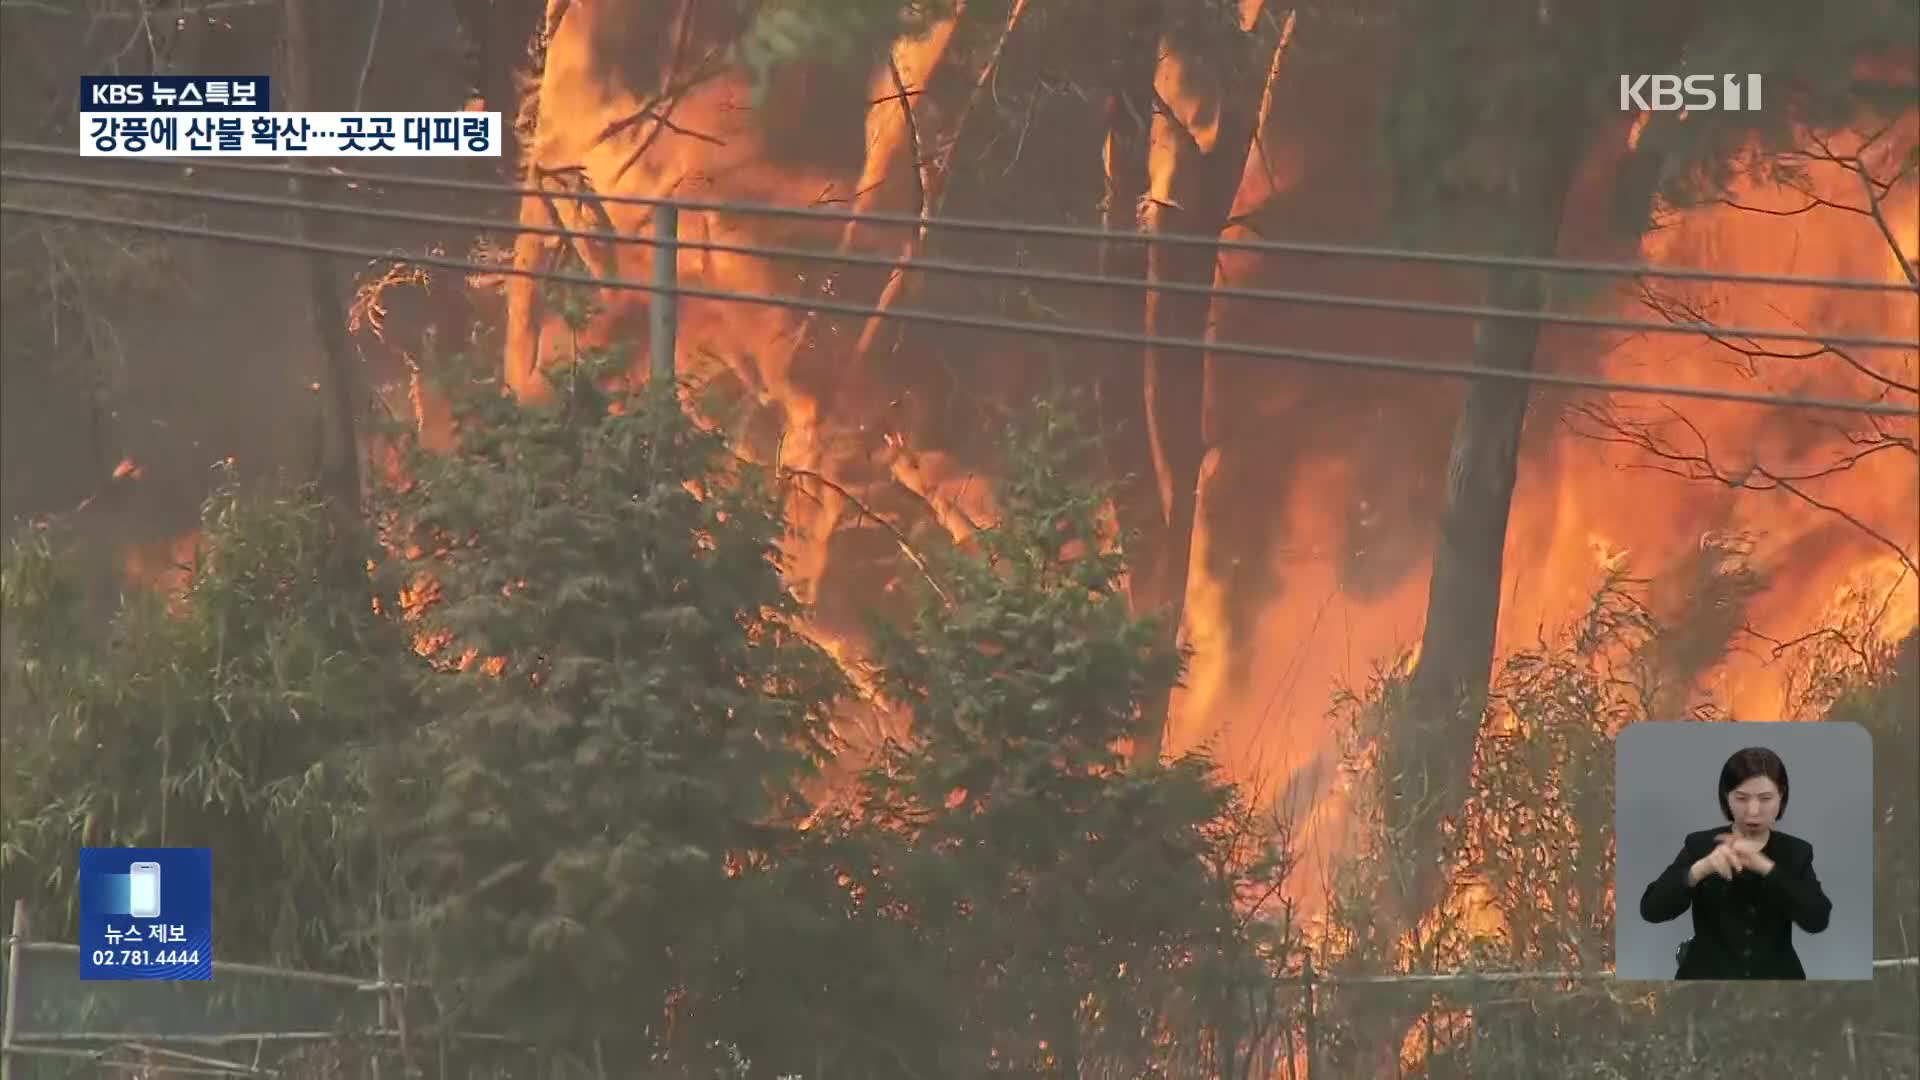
(867, 512)
(1685, 313)
(1699, 464)
(1826, 633)
(659, 110)
(1873, 188)
(929, 185)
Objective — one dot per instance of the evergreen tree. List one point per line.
(623, 714)
(1072, 908)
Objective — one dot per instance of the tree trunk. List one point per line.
(503, 32)
(339, 451)
(1430, 755)
(1197, 157)
(1120, 389)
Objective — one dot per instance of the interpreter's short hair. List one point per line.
(1746, 764)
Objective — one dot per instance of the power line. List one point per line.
(974, 270)
(970, 322)
(38, 7)
(1008, 228)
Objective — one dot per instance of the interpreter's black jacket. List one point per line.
(1742, 929)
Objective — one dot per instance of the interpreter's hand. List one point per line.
(1722, 860)
(1748, 853)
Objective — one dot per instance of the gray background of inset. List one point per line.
(1665, 784)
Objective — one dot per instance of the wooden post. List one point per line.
(661, 308)
(379, 962)
(16, 951)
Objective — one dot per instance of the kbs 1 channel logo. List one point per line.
(1692, 93)
(167, 116)
(146, 914)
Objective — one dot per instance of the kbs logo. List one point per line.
(116, 93)
(1695, 93)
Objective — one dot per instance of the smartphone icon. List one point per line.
(144, 890)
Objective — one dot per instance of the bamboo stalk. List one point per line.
(17, 940)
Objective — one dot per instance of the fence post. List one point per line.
(15, 950)
(379, 957)
(662, 306)
(1312, 1034)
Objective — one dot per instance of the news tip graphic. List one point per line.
(165, 116)
(146, 914)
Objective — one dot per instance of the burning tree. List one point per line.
(848, 945)
(1860, 176)
(1494, 115)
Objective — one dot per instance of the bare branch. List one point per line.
(920, 161)
(1682, 312)
(1886, 230)
(899, 538)
(373, 43)
(1826, 633)
(1811, 204)
(660, 108)
(1878, 134)
(1699, 464)
(1875, 190)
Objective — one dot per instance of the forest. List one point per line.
(883, 699)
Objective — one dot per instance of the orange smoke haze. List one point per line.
(1259, 690)
(1319, 491)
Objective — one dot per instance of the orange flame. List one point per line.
(1311, 546)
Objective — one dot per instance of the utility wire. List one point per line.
(974, 270)
(999, 325)
(1009, 228)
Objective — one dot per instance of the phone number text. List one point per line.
(144, 957)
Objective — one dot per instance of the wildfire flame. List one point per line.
(1327, 575)
(1318, 493)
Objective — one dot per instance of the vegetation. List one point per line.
(556, 769)
(545, 737)
(560, 775)
(240, 716)
(1532, 857)
(613, 749)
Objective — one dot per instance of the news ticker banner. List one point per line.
(146, 913)
(230, 116)
(168, 93)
